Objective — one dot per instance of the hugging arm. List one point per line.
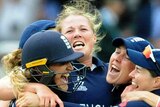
(6, 92)
(146, 96)
(45, 95)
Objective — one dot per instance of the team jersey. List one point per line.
(116, 93)
(68, 104)
(94, 90)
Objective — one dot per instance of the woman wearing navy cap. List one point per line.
(145, 76)
(80, 26)
(47, 61)
(10, 59)
(13, 59)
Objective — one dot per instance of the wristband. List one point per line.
(123, 104)
(12, 103)
(158, 102)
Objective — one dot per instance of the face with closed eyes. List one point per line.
(79, 32)
(119, 67)
(61, 78)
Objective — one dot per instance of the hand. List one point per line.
(145, 96)
(27, 99)
(47, 97)
(128, 93)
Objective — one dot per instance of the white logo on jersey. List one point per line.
(92, 105)
(66, 42)
(81, 87)
(137, 39)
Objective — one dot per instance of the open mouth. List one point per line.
(78, 45)
(63, 82)
(114, 69)
(64, 78)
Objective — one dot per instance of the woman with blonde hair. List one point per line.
(47, 61)
(13, 59)
(79, 22)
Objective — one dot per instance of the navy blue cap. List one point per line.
(49, 45)
(34, 28)
(144, 59)
(134, 42)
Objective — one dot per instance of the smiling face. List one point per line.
(78, 31)
(119, 67)
(61, 79)
(142, 79)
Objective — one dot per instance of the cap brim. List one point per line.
(72, 57)
(139, 59)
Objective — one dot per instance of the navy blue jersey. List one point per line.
(68, 104)
(116, 93)
(140, 103)
(137, 104)
(94, 90)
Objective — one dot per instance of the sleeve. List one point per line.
(136, 104)
(12, 103)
